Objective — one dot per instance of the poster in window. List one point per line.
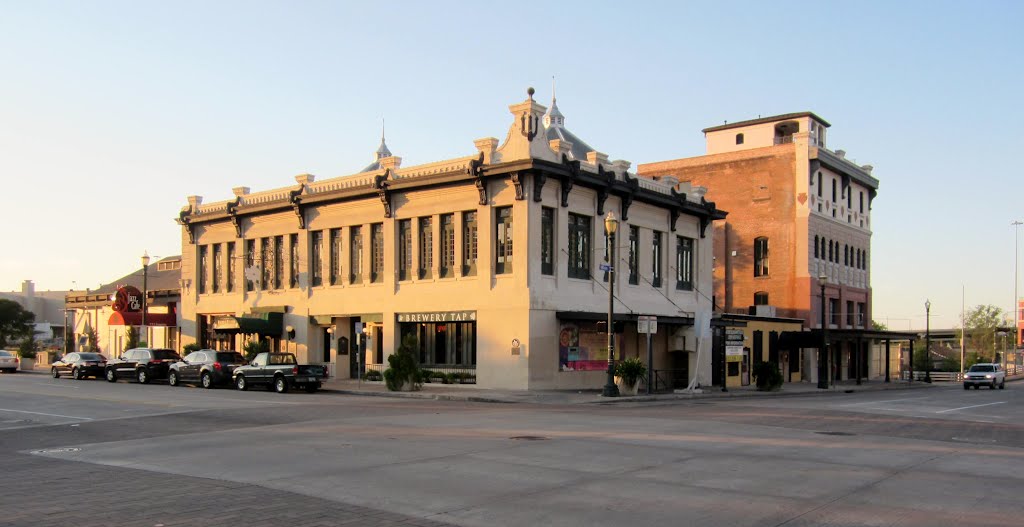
(582, 348)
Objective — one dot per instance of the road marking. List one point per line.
(966, 407)
(50, 415)
(879, 402)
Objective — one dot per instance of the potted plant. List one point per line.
(767, 376)
(628, 374)
(27, 353)
(403, 373)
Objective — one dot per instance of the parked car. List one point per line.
(991, 375)
(8, 362)
(207, 367)
(281, 371)
(79, 365)
(142, 364)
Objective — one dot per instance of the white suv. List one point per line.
(991, 375)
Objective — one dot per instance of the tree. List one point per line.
(981, 324)
(878, 326)
(15, 322)
(92, 340)
(131, 338)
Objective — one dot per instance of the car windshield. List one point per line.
(165, 355)
(982, 367)
(230, 357)
(5, 354)
(90, 356)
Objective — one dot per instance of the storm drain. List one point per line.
(835, 433)
(528, 438)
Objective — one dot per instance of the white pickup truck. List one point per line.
(991, 375)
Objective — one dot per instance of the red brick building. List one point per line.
(799, 217)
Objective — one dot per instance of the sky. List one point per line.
(113, 112)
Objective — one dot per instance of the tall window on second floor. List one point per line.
(579, 246)
(201, 270)
(469, 243)
(279, 262)
(761, 256)
(634, 255)
(834, 194)
(316, 260)
(355, 254)
(404, 249)
(426, 238)
(229, 282)
(850, 315)
(293, 260)
(250, 263)
(503, 240)
(684, 263)
(815, 245)
(335, 260)
(377, 248)
(267, 263)
(447, 267)
(217, 268)
(656, 257)
(547, 240)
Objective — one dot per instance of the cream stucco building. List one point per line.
(492, 260)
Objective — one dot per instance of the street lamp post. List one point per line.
(611, 224)
(823, 370)
(1016, 299)
(145, 294)
(928, 340)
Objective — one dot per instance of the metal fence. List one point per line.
(438, 374)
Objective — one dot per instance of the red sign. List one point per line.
(127, 299)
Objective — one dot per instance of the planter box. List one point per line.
(26, 364)
(627, 390)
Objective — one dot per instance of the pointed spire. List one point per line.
(553, 117)
(382, 151)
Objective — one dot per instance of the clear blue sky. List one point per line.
(111, 113)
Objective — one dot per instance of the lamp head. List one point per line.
(330, 331)
(611, 223)
(145, 259)
(927, 305)
(823, 278)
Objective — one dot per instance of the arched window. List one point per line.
(815, 245)
(846, 255)
(831, 253)
(739, 139)
(761, 256)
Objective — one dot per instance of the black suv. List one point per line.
(207, 367)
(144, 364)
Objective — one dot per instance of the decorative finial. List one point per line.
(530, 91)
(552, 88)
(382, 129)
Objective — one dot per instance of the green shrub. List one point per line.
(255, 347)
(631, 370)
(372, 375)
(767, 376)
(27, 348)
(190, 347)
(403, 367)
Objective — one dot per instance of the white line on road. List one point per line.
(50, 415)
(879, 402)
(966, 407)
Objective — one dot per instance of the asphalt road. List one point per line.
(93, 453)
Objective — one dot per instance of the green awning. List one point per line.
(258, 323)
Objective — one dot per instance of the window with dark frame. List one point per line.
(377, 249)
(267, 263)
(470, 230)
(739, 139)
(580, 233)
(278, 262)
(201, 270)
(761, 298)
(547, 240)
(316, 259)
(634, 255)
(503, 240)
(862, 202)
(426, 240)
(405, 249)
(229, 282)
(849, 313)
(761, 256)
(656, 259)
(293, 260)
(815, 245)
(355, 254)
(335, 257)
(684, 263)
(217, 267)
(250, 263)
(820, 191)
(446, 269)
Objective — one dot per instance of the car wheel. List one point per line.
(111, 375)
(76, 374)
(967, 386)
(1002, 385)
(241, 384)
(54, 372)
(206, 380)
(992, 386)
(142, 376)
(172, 378)
(280, 385)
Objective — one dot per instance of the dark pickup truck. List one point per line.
(281, 371)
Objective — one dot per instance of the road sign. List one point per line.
(734, 335)
(734, 353)
(646, 324)
(605, 267)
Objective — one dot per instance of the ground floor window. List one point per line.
(581, 347)
(443, 343)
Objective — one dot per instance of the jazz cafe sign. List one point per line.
(127, 299)
(438, 316)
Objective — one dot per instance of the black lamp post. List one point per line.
(145, 294)
(823, 370)
(928, 340)
(611, 224)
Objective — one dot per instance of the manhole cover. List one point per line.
(528, 438)
(67, 450)
(835, 433)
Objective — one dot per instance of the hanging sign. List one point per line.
(127, 299)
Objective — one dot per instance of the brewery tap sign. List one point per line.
(127, 299)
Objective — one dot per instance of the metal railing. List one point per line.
(437, 374)
(668, 380)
